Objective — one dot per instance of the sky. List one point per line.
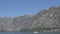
(23, 7)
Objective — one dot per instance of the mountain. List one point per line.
(46, 18)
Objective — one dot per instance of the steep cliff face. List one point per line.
(48, 18)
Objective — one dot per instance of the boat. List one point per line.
(35, 32)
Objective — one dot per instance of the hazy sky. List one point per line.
(22, 7)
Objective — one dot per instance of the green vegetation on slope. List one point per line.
(38, 29)
(55, 8)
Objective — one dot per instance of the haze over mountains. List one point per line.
(47, 18)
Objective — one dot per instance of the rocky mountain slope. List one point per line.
(47, 18)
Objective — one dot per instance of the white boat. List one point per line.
(35, 32)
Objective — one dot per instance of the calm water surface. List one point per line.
(29, 33)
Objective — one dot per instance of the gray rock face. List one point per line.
(46, 18)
